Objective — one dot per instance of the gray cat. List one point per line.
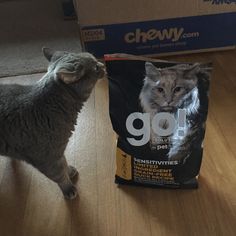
(167, 90)
(37, 121)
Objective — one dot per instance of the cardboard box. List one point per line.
(155, 27)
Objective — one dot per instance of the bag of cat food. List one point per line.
(158, 110)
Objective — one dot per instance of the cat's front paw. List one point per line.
(70, 193)
(73, 172)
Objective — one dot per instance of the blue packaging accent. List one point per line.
(162, 36)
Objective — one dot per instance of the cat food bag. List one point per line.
(158, 110)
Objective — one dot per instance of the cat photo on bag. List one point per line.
(173, 90)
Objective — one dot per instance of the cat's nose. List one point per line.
(168, 101)
(102, 67)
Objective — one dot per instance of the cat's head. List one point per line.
(72, 68)
(170, 86)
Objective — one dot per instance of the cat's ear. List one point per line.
(192, 70)
(151, 70)
(206, 68)
(48, 53)
(70, 77)
(199, 69)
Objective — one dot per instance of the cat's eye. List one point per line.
(177, 89)
(160, 90)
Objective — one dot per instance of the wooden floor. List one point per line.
(31, 205)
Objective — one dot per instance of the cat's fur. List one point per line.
(167, 90)
(36, 121)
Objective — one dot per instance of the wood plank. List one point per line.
(108, 220)
(84, 210)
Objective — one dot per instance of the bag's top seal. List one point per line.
(124, 57)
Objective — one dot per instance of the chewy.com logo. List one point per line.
(172, 34)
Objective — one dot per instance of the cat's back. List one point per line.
(12, 96)
(8, 91)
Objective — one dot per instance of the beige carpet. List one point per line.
(26, 26)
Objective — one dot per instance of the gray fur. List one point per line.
(37, 121)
